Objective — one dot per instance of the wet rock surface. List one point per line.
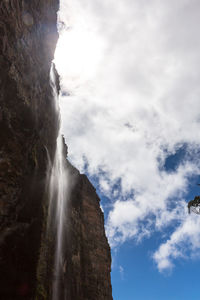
(28, 132)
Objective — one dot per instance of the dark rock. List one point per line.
(88, 261)
(28, 126)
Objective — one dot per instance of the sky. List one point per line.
(130, 115)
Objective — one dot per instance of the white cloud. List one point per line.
(184, 242)
(131, 70)
(151, 205)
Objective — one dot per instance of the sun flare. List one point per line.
(78, 54)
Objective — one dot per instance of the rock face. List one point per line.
(28, 126)
(28, 132)
(88, 258)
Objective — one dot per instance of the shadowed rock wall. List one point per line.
(28, 126)
(88, 260)
(28, 131)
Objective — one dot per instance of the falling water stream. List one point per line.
(58, 193)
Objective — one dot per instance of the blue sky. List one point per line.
(142, 281)
(131, 113)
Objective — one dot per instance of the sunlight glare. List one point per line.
(78, 55)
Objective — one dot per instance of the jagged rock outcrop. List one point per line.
(28, 130)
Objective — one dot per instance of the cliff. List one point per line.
(89, 264)
(28, 131)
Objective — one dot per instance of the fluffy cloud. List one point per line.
(150, 209)
(130, 98)
(184, 242)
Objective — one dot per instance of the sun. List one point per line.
(78, 54)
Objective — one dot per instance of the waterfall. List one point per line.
(58, 194)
